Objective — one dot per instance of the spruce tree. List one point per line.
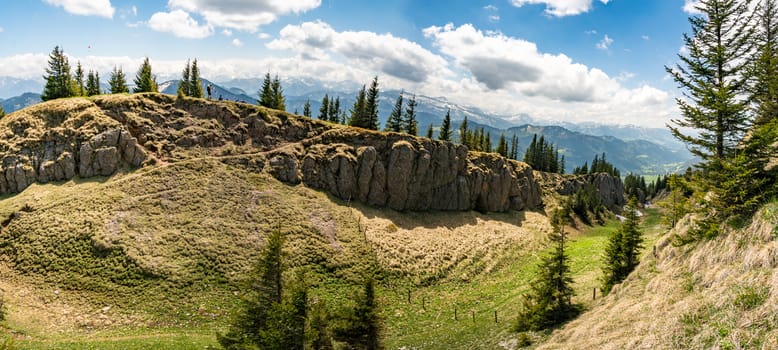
(335, 111)
(463, 133)
(410, 125)
(548, 303)
(514, 151)
(324, 111)
(93, 83)
(307, 108)
(502, 146)
(445, 128)
(712, 78)
(395, 120)
(79, 80)
(145, 81)
(195, 82)
(622, 252)
(184, 88)
(59, 82)
(430, 132)
(266, 98)
(371, 106)
(487, 146)
(764, 69)
(279, 102)
(359, 116)
(118, 82)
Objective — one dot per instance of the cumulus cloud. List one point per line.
(494, 18)
(180, 24)
(264, 36)
(101, 8)
(246, 15)
(605, 43)
(236, 42)
(560, 8)
(384, 53)
(227, 32)
(490, 8)
(690, 7)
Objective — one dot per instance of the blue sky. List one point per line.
(575, 60)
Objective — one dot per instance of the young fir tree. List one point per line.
(145, 81)
(371, 106)
(548, 303)
(502, 146)
(92, 83)
(430, 132)
(410, 125)
(764, 69)
(623, 249)
(335, 112)
(361, 327)
(324, 111)
(487, 146)
(118, 82)
(195, 82)
(262, 298)
(463, 133)
(711, 76)
(59, 82)
(359, 116)
(79, 80)
(513, 153)
(184, 88)
(445, 128)
(277, 93)
(266, 98)
(395, 120)
(307, 108)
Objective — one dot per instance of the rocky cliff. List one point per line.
(61, 139)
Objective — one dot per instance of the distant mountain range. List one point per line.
(630, 148)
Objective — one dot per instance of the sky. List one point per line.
(558, 60)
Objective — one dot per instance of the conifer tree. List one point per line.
(335, 111)
(145, 81)
(445, 129)
(410, 125)
(514, 151)
(279, 102)
(266, 98)
(79, 80)
(184, 88)
(463, 133)
(548, 303)
(118, 81)
(307, 108)
(324, 111)
(195, 82)
(430, 132)
(487, 146)
(359, 117)
(2, 114)
(764, 69)
(623, 249)
(371, 106)
(92, 83)
(395, 120)
(712, 78)
(59, 82)
(502, 146)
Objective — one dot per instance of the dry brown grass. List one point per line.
(717, 294)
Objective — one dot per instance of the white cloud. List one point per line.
(180, 24)
(134, 10)
(246, 15)
(605, 43)
(1, 29)
(384, 53)
(490, 8)
(645, 37)
(236, 42)
(101, 8)
(591, 32)
(561, 8)
(227, 32)
(264, 36)
(690, 7)
(494, 18)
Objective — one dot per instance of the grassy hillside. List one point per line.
(716, 294)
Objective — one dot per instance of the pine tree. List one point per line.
(183, 86)
(371, 106)
(79, 80)
(324, 111)
(307, 108)
(144, 80)
(548, 303)
(279, 102)
(410, 125)
(92, 83)
(195, 82)
(262, 299)
(445, 129)
(514, 152)
(59, 82)
(359, 116)
(623, 249)
(430, 132)
(118, 82)
(487, 146)
(463, 133)
(395, 120)
(713, 81)
(502, 146)
(266, 98)
(335, 111)
(764, 69)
